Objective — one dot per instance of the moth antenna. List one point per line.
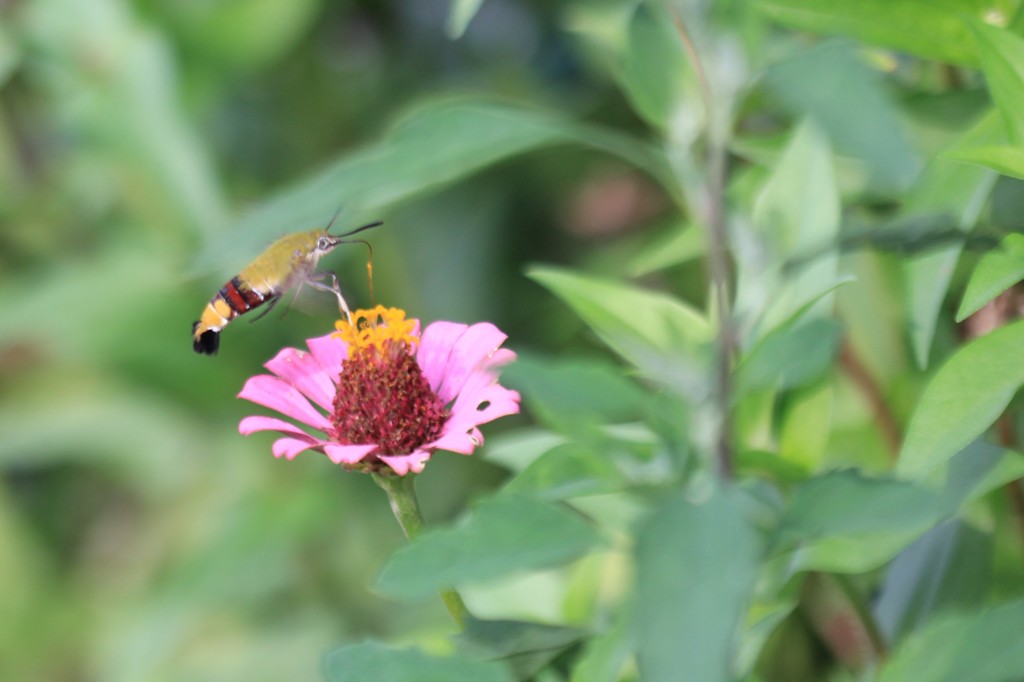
(334, 217)
(368, 226)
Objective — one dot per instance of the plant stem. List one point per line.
(888, 425)
(843, 621)
(714, 220)
(401, 491)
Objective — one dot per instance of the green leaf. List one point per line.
(655, 67)
(806, 426)
(680, 244)
(574, 393)
(1006, 160)
(977, 646)
(996, 272)
(832, 84)
(796, 212)
(859, 546)
(503, 535)
(433, 145)
(567, 471)
(603, 656)
(793, 355)
(960, 191)
(696, 567)
(762, 463)
(246, 35)
(921, 27)
(525, 647)
(459, 16)
(948, 567)
(516, 450)
(374, 661)
(1002, 60)
(652, 330)
(848, 503)
(962, 400)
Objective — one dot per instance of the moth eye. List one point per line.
(322, 243)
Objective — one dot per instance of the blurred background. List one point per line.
(141, 537)
(150, 148)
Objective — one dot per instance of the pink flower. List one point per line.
(385, 396)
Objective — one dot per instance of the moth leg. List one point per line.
(270, 306)
(334, 288)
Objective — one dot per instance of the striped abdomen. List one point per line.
(235, 298)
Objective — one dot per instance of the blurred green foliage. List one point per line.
(835, 496)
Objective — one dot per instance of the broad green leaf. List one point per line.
(525, 647)
(962, 400)
(960, 191)
(574, 393)
(459, 16)
(769, 464)
(977, 646)
(659, 334)
(245, 35)
(604, 655)
(793, 355)
(374, 661)
(797, 211)
(1002, 60)
(832, 84)
(1006, 160)
(569, 470)
(847, 503)
(516, 450)
(503, 535)
(975, 471)
(655, 67)
(921, 27)
(682, 243)
(433, 145)
(696, 566)
(806, 426)
(948, 567)
(995, 272)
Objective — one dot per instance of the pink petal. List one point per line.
(435, 348)
(347, 454)
(259, 423)
(470, 353)
(330, 352)
(276, 394)
(403, 464)
(301, 370)
(498, 400)
(290, 447)
(500, 358)
(455, 441)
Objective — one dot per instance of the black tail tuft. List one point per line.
(208, 341)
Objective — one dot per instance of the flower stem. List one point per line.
(401, 492)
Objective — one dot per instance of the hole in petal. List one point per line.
(483, 406)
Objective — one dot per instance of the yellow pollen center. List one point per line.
(374, 328)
